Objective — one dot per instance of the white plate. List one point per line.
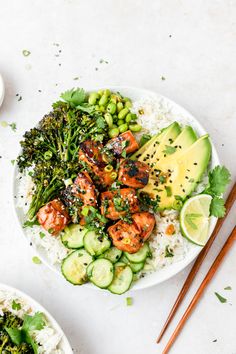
(169, 271)
(64, 344)
(2, 90)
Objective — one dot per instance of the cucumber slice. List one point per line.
(74, 266)
(139, 256)
(135, 267)
(112, 254)
(73, 236)
(122, 279)
(100, 273)
(96, 244)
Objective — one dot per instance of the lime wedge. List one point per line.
(194, 219)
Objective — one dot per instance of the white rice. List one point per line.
(153, 114)
(47, 338)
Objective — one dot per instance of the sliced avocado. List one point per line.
(156, 150)
(186, 138)
(140, 151)
(179, 174)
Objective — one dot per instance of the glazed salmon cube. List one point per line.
(123, 142)
(129, 237)
(53, 217)
(145, 222)
(133, 173)
(119, 203)
(91, 152)
(125, 236)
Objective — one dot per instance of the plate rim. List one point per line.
(172, 269)
(37, 306)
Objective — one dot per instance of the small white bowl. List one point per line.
(2, 90)
(64, 343)
(167, 272)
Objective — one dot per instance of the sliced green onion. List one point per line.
(48, 155)
(36, 260)
(129, 301)
(108, 168)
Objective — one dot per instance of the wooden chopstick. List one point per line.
(228, 244)
(228, 205)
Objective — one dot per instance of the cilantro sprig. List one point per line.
(219, 178)
(23, 334)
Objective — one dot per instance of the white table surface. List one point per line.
(191, 44)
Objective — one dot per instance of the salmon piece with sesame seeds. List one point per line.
(133, 173)
(123, 142)
(119, 203)
(53, 216)
(91, 153)
(130, 237)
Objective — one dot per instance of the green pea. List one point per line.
(115, 117)
(107, 92)
(108, 119)
(123, 127)
(114, 132)
(93, 98)
(135, 127)
(111, 108)
(120, 121)
(114, 126)
(125, 99)
(119, 106)
(123, 113)
(103, 100)
(128, 104)
(128, 118)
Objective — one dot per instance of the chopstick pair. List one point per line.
(228, 205)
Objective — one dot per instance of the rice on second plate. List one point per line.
(153, 114)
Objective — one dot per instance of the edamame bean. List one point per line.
(123, 113)
(102, 109)
(103, 100)
(107, 92)
(93, 98)
(108, 119)
(111, 108)
(128, 104)
(100, 92)
(119, 106)
(120, 121)
(135, 127)
(128, 118)
(114, 132)
(123, 128)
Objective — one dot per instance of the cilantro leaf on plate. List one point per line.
(15, 334)
(32, 323)
(221, 298)
(74, 97)
(217, 207)
(219, 178)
